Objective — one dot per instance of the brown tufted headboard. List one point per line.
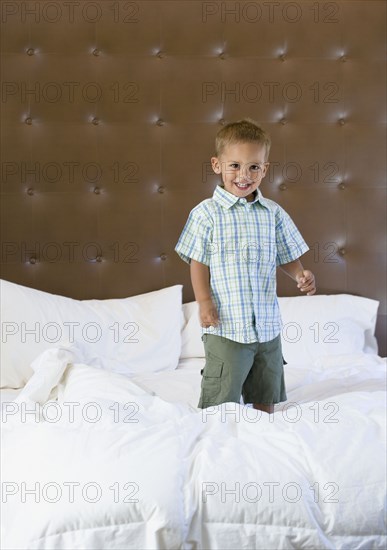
(109, 112)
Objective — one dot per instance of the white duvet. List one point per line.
(102, 463)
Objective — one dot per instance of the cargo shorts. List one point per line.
(232, 369)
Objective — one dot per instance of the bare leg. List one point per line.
(264, 407)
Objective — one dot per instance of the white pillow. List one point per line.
(322, 325)
(191, 342)
(313, 326)
(129, 335)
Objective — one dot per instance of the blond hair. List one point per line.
(242, 131)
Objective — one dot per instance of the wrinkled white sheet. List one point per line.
(112, 466)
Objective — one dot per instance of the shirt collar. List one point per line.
(227, 200)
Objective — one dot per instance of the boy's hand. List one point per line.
(208, 314)
(306, 282)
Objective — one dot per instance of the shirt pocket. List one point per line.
(224, 247)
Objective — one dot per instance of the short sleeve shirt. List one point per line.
(242, 243)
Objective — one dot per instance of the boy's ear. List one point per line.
(215, 163)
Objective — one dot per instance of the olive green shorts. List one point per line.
(232, 369)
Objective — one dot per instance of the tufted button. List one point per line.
(283, 186)
(341, 121)
(163, 256)
(96, 52)
(28, 120)
(30, 51)
(98, 259)
(283, 121)
(161, 189)
(97, 190)
(160, 122)
(160, 54)
(33, 260)
(95, 121)
(222, 122)
(282, 57)
(342, 251)
(223, 55)
(30, 191)
(343, 58)
(341, 186)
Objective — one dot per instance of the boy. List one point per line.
(233, 243)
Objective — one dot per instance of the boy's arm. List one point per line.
(200, 278)
(304, 277)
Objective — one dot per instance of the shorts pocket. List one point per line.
(212, 374)
(214, 366)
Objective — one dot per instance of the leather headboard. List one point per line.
(109, 112)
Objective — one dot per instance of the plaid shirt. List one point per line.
(242, 243)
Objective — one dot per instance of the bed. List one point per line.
(104, 446)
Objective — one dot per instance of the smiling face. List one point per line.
(242, 166)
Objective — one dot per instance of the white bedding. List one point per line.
(163, 474)
(180, 385)
(8, 395)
